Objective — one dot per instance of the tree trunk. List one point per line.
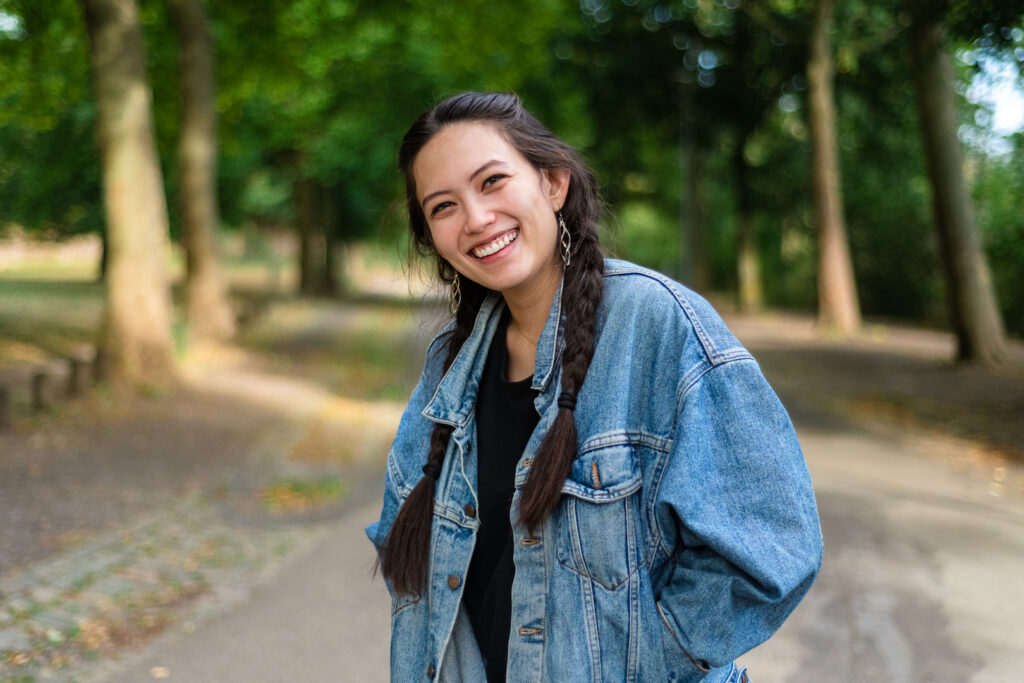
(101, 276)
(972, 302)
(333, 269)
(136, 337)
(208, 310)
(693, 258)
(686, 145)
(700, 264)
(751, 295)
(838, 308)
(312, 245)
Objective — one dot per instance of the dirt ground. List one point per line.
(892, 377)
(93, 464)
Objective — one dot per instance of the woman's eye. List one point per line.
(493, 179)
(440, 206)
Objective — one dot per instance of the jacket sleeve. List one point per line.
(737, 511)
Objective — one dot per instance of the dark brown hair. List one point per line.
(405, 553)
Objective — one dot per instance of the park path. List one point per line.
(322, 618)
(924, 533)
(920, 583)
(924, 537)
(921, 577)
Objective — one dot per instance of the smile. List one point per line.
(496, 245)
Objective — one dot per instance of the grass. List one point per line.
(368, 356)
(366, 352)
(47, 315)
(290, 496)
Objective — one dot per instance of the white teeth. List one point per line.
(497, 245)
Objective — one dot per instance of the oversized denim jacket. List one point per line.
(687, 530)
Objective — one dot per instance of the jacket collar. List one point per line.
(455, 397)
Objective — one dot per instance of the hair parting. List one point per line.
(404, 557)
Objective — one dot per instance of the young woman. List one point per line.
(592, 480)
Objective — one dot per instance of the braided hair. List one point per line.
(405, 554)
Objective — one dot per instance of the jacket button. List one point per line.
(469, 510)
(430, 671)
(454, 581)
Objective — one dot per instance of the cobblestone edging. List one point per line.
(60, 618)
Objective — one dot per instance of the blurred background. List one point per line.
(203, 244)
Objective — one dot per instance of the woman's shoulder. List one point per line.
(648, 299)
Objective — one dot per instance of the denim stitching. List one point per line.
(622, 438)
(710, 350)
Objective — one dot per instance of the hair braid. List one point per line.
(404, 556)
(551, 466)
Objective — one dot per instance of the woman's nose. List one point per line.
(478, 216)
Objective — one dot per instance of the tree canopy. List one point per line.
(664, 98)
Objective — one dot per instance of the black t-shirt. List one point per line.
(505, 418)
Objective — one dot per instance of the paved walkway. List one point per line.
(172, 569)
(920, 584)
(197, 553)
(323, 618)
(921, 581)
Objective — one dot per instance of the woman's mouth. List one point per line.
(496, 245)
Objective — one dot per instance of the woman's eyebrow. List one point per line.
(486, 165)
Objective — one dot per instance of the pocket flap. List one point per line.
(604, 475)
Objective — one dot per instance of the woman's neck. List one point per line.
(528, 312)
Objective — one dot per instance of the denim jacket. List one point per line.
(687, 530)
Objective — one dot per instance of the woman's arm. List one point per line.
(736, 506)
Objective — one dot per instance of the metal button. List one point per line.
(431, 671)
(454, 581)
(469, 510)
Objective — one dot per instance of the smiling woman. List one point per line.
(592, 479)
(492, 216)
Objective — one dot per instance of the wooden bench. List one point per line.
(37, 385)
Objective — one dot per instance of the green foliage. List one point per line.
(989, 22)
(645, 235)
(324, 89)
(49, 163)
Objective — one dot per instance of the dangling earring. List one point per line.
(566, 240)
(454, 296)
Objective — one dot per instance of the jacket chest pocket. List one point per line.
(597, 535)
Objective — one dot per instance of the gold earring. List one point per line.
(454, 296)
(566, 240)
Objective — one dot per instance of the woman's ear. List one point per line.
(558, 186)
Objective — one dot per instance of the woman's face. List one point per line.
(491, 214)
